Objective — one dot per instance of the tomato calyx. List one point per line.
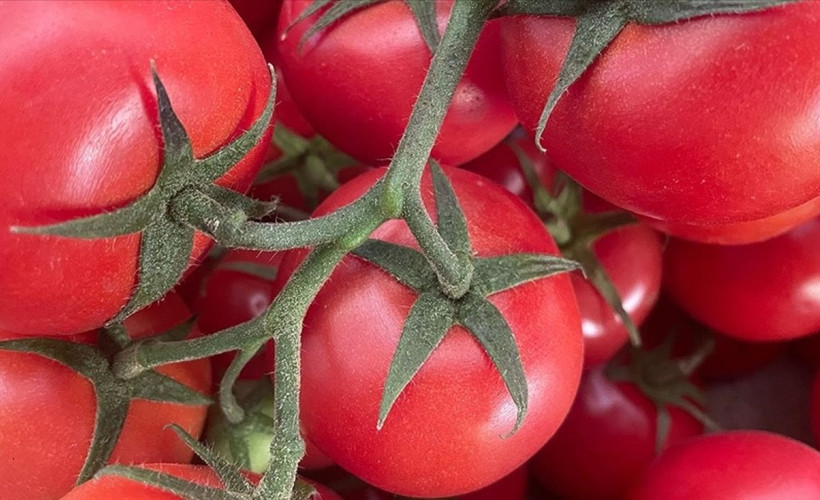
(600, 21)
(434, 312)
(113, 395)
(423, 12)
(166, 243)
(665, 381)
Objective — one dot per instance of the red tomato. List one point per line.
(630, 256)
(807, 350)
(47, 413)
(667, 121)
(357, 81)
(815, 409)
(81, 138)
(607, 419)
(740, 464)
(259, 15)
(758, 292)
(443, 436)
(110, 486)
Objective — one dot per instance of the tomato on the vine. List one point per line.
(47, 412)
(91, 144)
(668, 121)
(446, 433)
(357, 80)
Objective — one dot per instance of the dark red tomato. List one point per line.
(357, 81)
(630, 256)
(815, 409)
(47, 413)
(443, 436)
(259, 15)
(740, 464)
(80, 137)
(607, 440)
(666, 122)
(807, 350)
(233, 296)
(730, 358)
(764, 291)
(192, 286)
(111, 486)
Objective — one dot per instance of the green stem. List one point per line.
(400, 196)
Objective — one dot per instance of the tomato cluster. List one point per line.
(601, 282)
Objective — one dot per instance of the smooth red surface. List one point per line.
(259, 15)
(357, 81)
(607, 440)
(111, 487)
(733, 465)
(80, 137)
(631, 256)
(47, 413)
(667, 121)
(760, 292)
(443, 436)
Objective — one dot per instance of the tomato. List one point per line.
(357, 81)
(47, 413)
(630, 256)
(740, 464)
(815, 409)
(232, 296)
(606, 418)
(764, 291)
(259, 15)
(112, 486)
(81, 138)
(443, 436)
(667, 121)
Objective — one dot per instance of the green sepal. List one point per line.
(113, 395)
(406, 265)
(336, 11)
(261, 271)
(227, 400)
(230, 476)
(255, 209)
(451, 223)
(547, 8)
(487, 324)
(166, 482)
(424, 11)
(426, 324)
(302, 490)
(496, 274)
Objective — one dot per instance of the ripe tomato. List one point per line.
(815, 409)
(259, 15)
(667, 121)
(443, 436)
(47, 413)
(630, 256)
(739, 464)
(606, 418)
(357, 81)
(763, 291)
(81, 138)
(111, 486)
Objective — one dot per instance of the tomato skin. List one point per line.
(110, 486)
(738, 464)
(759, 292)
(80, 137)
(47, 413)
(631, 256)
(259, 15)
(356, 83)
(422, 448)
(607, 419)
(676, 136)
(815, 409)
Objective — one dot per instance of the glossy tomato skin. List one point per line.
(356, 83)
(675, 136)
(80, 137)
(760, 292)
(443, 436)
(47, 413)
(111, 486)
(738, 464)
(631, 256)
(606, 441)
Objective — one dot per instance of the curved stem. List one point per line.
(404, 175)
